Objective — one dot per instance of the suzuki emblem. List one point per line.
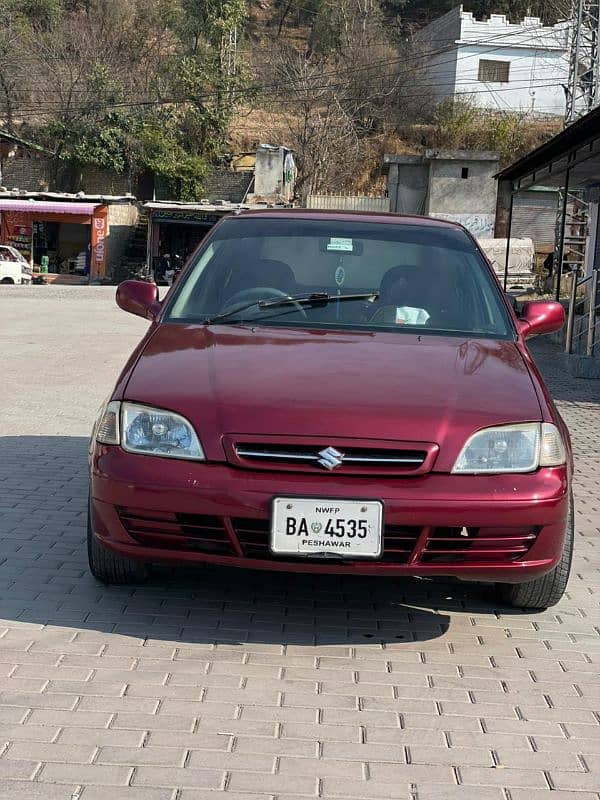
(330, 458)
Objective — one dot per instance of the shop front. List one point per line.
(176, 229)
(60, 238)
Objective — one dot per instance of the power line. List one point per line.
(429, 53)
(184, 100)
(277, 87)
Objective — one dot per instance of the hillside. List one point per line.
(296, 105)
(171, 87)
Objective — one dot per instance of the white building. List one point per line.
(500, 65)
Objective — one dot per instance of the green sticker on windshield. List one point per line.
(337, 245)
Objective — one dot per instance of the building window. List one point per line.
(493, 71)
(464, 173)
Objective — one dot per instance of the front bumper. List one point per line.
(170, 511)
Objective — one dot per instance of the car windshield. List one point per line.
(406, 277)
(6, 254)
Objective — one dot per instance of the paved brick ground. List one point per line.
(220, 685)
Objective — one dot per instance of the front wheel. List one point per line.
(547, 590)
(108, 567)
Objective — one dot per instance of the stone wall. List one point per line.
(31, 173)
(225, 184)
(37, 173)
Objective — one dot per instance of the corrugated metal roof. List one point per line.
(224, 207)
(67, 197)
(48, 207)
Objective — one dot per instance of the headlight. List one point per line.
(155, 432)
(147, 430)
(512, 448)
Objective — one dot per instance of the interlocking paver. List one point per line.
(213, 683)
(190, 777)
(38, 751)
(84, 773)
(19, 790)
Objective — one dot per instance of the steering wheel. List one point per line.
(260, 293)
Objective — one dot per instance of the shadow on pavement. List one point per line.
(549, 358)
(44, 577)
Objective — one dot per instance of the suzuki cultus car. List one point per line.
(335, 393)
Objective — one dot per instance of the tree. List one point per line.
(342, 91)
(319, 129)
(128, 86)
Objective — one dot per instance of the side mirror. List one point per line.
(140, 298)
(541, 317)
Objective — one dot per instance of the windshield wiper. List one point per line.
(313, 299)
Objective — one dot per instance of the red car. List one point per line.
(335, 393)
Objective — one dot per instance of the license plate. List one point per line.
(326, 528)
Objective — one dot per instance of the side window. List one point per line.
(493, 71)
(189, 298)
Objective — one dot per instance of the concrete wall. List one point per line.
(456, 185)
(481, 226)
(268, 176)
(435, 46)
(450, 193)
(534, 82)
(122, 219)
(537, 55)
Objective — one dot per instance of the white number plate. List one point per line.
(326, 528)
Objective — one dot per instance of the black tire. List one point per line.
(108, 567)
(547, 590)
(7, 280)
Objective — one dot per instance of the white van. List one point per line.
(14, 268)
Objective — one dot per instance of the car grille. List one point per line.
(464, 545)
(188, 532)
(308, 457)
(249, 538)
(253, 534)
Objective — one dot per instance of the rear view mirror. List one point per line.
(540, 317)
(139, 298)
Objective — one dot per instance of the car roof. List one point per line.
(363, 216)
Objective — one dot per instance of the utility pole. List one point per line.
(229, 48)
(582, 95)
(583, 89)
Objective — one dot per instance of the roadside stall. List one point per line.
(176, 229)
(61, 237)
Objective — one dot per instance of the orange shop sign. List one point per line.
(99, 235)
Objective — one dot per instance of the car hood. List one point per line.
(333, 384)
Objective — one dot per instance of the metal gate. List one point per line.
(534, 216)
